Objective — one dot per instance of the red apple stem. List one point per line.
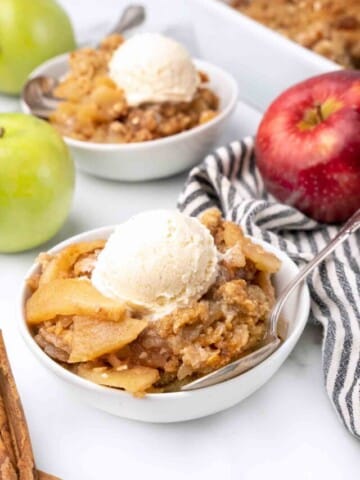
(319, 112)
(2, 132)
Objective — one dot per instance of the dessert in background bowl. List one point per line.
(172, 321)
(140, 108)
(133, 90)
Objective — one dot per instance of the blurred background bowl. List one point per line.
(156, 158)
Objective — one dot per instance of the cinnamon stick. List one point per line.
(16, 457)
(7, 454)
(7, 469)
(5, 434)
(16, 419)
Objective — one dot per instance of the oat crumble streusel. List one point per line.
(228, 321)
(328, 27)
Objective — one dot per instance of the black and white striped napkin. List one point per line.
(229, 180)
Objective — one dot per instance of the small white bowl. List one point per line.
(178, 406)
(155, 158)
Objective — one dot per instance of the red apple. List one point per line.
(308, 146)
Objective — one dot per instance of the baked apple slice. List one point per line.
(135, 380)
(71, 296)
(60, 265)
(92, 338)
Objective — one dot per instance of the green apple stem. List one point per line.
(2, 132)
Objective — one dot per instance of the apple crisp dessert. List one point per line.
(328, 27)
(118, 345)
(94, 108)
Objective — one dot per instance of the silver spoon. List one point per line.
(272, 341)
(131, 17)
(37, 93)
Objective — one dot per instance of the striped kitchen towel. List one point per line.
(229, 180)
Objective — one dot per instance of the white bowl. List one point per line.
(178, 406)
(155, 158)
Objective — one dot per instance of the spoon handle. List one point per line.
(350, 227)
(132, 16)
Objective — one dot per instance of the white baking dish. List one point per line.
(263, 62)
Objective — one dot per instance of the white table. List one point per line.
(286, 430)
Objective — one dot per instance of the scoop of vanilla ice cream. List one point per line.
(160, 260)
(152, 68)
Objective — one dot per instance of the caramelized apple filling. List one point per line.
(94, 109)
(118, 346)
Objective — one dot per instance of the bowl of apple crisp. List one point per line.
(127, 315)
(139, 108)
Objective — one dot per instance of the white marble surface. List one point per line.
(286, 430)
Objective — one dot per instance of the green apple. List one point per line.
(31, 31)
(36, 182)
